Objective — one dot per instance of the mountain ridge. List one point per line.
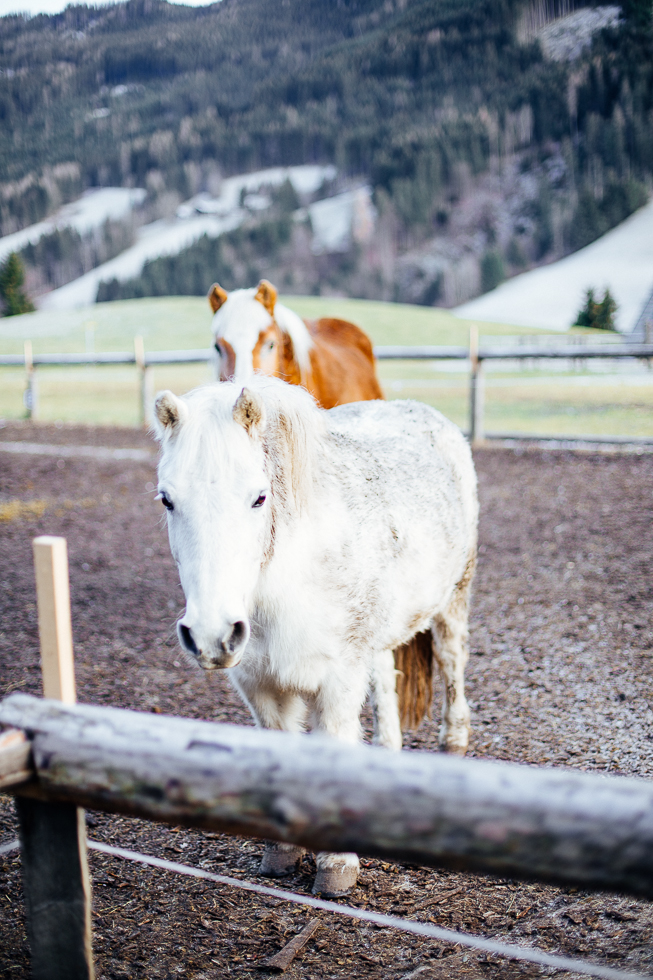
(426, 99)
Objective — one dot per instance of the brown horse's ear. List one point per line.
(216, 296)
(248, 411)
(267, 295)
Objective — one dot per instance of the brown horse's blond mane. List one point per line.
(295, 332)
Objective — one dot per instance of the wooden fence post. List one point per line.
(476, 393)
(146, 383)
(56, 881)
(31, 396)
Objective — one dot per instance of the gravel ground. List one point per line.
(560, 674)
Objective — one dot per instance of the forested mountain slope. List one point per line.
(480, 149)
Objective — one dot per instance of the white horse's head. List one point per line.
(233, 466)
(252, 333)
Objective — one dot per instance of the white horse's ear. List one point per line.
(217, 296)
(170, 413)
(267, 295)
(248, 411)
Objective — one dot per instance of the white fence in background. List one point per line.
(521, 349)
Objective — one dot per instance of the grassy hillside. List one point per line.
(184, 323)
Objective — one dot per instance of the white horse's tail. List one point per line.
(414, 663)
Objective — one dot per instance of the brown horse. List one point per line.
(332, 358)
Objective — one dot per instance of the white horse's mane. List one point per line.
(290, 434)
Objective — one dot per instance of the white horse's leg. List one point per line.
(286, 711)
(336, 712)
(337, 873)
(273, 707)
(337, 705)
(451, 650)
(383, 682)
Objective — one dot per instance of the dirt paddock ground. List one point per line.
(561, 674)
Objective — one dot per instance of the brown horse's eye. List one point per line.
(260, 500)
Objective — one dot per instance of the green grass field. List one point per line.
(522, 401)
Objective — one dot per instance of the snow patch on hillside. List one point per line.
(305, 179)
(337, 221)
(153, 241)
(551, 296)
(566, 38)
(202, 214)
(90, 211)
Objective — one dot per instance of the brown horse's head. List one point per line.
(247, 336)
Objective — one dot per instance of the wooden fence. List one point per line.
(476, 355)
(545, 824)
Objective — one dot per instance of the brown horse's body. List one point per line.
(342, 365)
(334, 360)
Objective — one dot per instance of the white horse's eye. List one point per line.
(260, 500)
(166, 501)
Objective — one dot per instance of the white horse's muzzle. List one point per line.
(218, 650)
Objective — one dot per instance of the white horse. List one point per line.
(311, 544)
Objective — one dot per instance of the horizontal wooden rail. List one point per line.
(385, 353)
(568, 351)
(424, 353)
(548, 824)
(519, 352)
(564, 438)
(111, 357)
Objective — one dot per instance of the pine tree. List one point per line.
(600, 316)
(12, 279)
(492, 271)
(638, 12)
(587, 313)
(606, 311)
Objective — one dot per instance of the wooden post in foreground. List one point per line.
(476, 393)
(55, 627)
(53, 835)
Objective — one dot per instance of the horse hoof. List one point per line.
(454, 737)
(454, 743)
(280, 860)
(336, 876)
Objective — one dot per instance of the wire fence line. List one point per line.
(426, 930)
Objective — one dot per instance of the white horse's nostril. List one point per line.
(236, 638)
(186, 639)
(218, 648)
